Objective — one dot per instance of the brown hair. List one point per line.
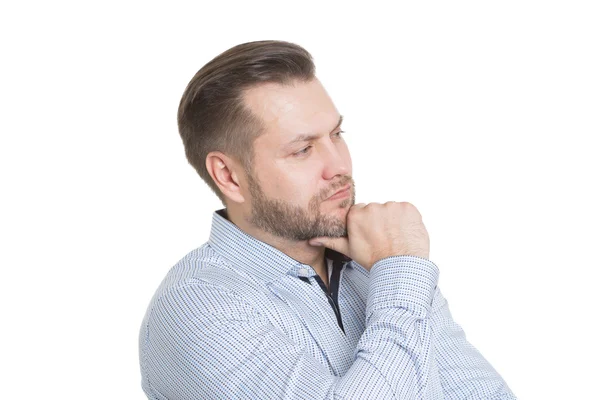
(212, 115)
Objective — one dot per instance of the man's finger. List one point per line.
(338, 244)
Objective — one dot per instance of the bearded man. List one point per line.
(299, 293)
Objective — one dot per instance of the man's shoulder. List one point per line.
(204, 268)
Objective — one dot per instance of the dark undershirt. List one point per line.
(334, 285)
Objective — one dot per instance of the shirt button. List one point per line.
(303, 272)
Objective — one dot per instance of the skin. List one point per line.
(284, 201)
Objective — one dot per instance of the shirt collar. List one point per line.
(255, 257)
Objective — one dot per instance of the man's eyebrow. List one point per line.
(307, 137)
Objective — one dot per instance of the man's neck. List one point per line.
(298, 250)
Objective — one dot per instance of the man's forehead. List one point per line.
(300, 109)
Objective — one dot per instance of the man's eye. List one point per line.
(303, 151)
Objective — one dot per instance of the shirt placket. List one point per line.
(332, 292)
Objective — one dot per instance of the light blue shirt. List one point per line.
(236, 319)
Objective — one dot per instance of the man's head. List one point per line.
(262, 132)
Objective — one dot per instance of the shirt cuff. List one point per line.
(403, 281)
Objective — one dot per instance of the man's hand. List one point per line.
(377, 231)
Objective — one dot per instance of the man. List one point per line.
(299, 293)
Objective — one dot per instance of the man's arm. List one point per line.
(397, 228)
(207, 342)
(464, 372)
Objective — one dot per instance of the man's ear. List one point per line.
(224, 172)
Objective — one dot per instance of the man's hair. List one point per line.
(212, 115)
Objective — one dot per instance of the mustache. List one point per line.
(342, 182)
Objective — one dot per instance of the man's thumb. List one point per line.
(338, 244)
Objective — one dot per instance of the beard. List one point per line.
(293, 222)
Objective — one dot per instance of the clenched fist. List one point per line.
(377, 231)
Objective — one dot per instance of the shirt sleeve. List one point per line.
(464, 372)
(206, 342)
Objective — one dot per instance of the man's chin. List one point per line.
(335, 226)
(339, 206)
(340, 213)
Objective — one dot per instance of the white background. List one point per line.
(484, 115)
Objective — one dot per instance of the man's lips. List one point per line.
(340, 192)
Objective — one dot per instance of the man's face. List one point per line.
(299, 162)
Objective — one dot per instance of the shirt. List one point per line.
(238, 319)
(333, 272)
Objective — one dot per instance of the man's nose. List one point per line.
(335, 163)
